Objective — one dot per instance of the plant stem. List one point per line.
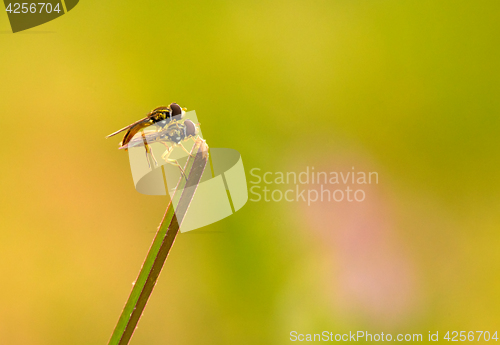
(164, 239)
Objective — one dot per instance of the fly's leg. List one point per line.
(149, 153)
(153, 156)
(146, 146)
(172, 161)
(148, 149)
(147, 159)
(167, 152)
(185, 150)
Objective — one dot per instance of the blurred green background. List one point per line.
(405, 88)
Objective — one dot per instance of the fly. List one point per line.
(171, 135)
(160, 116)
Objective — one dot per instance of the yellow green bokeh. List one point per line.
(409, 89)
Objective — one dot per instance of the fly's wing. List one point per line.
(134, 130)
(138, 140)
(144, 120)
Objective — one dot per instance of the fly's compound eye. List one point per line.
(190, 128)
(176, 109)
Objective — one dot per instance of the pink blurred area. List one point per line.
(369, 273)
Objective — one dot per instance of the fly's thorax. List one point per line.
(175, 132)
(160, 117)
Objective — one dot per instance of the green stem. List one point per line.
(164, 239)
